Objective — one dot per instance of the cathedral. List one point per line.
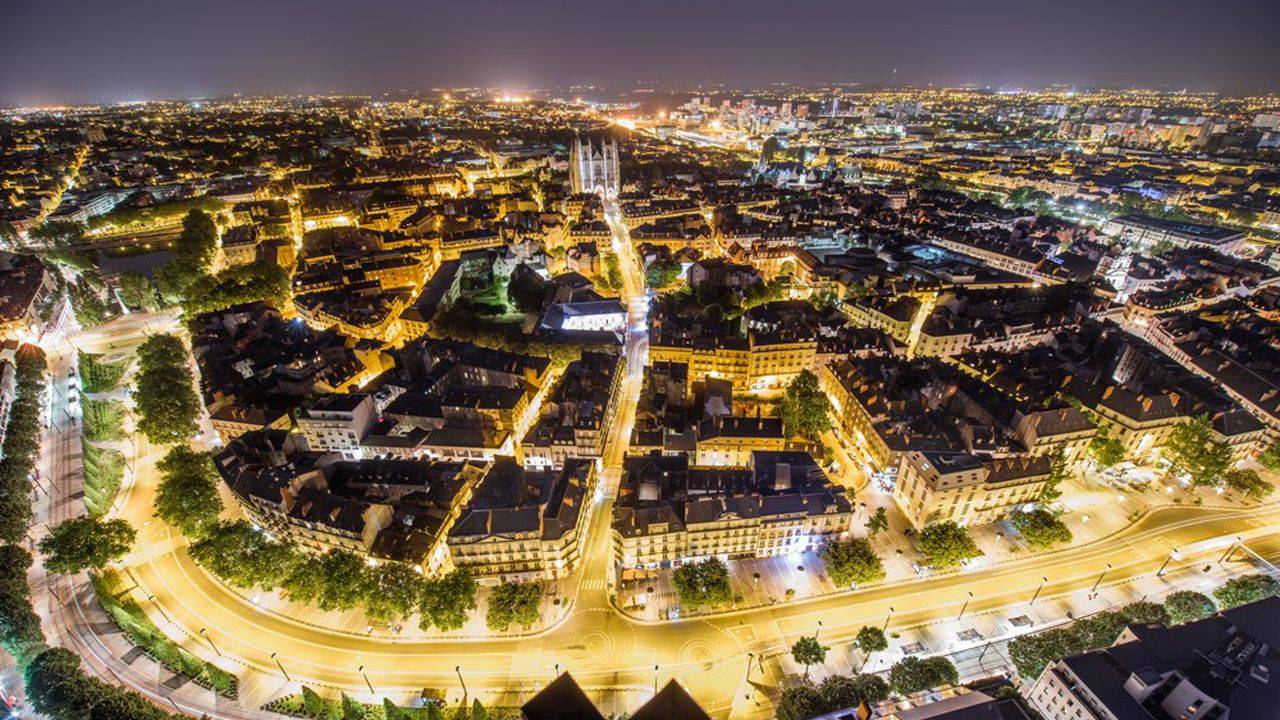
(594, 170)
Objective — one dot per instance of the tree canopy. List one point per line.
(946, 544)
(85, 543)
(1192, 450)
(702, 583)
(852, 561)
(165, 398)
(805, 407)
(514, 604)
(1041, 528)
(187, 494)
(912, 674)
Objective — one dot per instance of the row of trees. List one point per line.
(1032, 653)
(21, 443)
(56, 685)
(908, 676)
(165, 398)
(338, 580)
(187, 499)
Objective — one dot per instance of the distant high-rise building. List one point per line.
(593, 170)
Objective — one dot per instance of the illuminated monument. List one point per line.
(594, 170)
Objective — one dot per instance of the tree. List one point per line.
(20, 633)
(21, 442)
(514, 603)
(1192, 450)
(447, 600)
(808, 651)
(1041, 528)
(1248, 483)
(477, 710)
(262, 280)
(1270, 458)
(1032, 653)
(878, 521)
(1058, 472)
(871, 688)
(85, 543)
(912, 674)
(946, 544)
(314, 706)
(1105, 449)
(1187, 606)
(871, 640)
(243, 556)
(852, 561)
(137, 291)
(1246, 589)
(166, 402)
(702, 583)
(662, 274)
(58, 234)
(197, 244)
(58, 689)
(187, 494)
(393, 591)
(352, 709)
(805, 407)
(341, 581)
(800, 702)
(391, 711)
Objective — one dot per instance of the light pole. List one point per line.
(655, 679)
(886, 619)
(1098, 582)
(1230, 549)
(1043, 580)
(366, 679)
(282, 670)
(965, 606)
(205, 634)
(815, 632)
(1173, 555)
(458, 669)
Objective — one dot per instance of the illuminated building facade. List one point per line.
(592, 169)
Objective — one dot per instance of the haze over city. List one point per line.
(64, 52)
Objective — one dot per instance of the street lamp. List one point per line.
(655, 679)
(282, 670)
(966, 605)
(1043, 580)
(886, 619)
(1173, 555)
(205, 634)
(366, 679)
(1098, 582)
(815, 632)
(458, 669)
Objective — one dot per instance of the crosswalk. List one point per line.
(593, 584)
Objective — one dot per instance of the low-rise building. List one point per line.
(939, 487)
(1213, 669)
(669, 511)
(524, 524)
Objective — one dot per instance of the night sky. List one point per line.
(55, 51)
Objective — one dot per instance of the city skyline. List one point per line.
(75, 52)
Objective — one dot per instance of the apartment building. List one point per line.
(1211, 669)
(578, 415)
(938, 487)
(523, 524)
(337, 422)
(671, 511)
